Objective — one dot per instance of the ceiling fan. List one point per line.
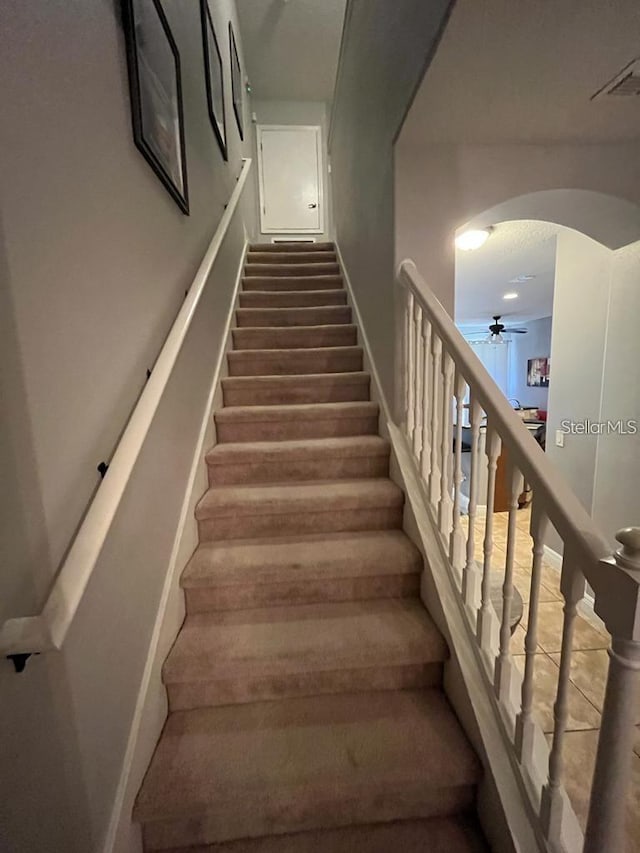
(497, 328)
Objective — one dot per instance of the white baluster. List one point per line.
(446, 446)
(418, 381)
(612, 776)
(504, 665)
(471, 575)
(425, 453)
(408, 365)
(487, 628)
(572, 585)
(436, 384)
(456, 540)
(525, 726)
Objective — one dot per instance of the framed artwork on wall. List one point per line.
(156, 94)
(538, 372)
(214, 79)
(236, 81)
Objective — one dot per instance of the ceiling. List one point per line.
(525, 72)
(291, 47)
(483, 276)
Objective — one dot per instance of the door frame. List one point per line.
(260, 128)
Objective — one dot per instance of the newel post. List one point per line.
(619, 607)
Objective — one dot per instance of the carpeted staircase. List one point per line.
(306, 710)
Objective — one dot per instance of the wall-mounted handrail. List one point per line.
(25, 635)
(568, 516)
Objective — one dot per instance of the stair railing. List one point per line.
(440, 371)
(25, 635)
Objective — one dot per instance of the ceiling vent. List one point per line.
(624, 85)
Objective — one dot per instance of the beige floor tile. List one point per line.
(517, 641)
(582, 714)
(579, 761)
(550, 621)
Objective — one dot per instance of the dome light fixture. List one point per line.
(473, 239)
(510, 296)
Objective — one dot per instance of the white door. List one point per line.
(290, 171)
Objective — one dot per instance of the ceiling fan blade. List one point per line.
(516, 331)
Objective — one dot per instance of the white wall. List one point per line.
(441, 187)
(95, 258)
(298, 112)
(535, 344)
(386, 47)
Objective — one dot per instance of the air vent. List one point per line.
(624, 85)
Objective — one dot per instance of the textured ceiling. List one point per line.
(291, 47)
(515, 71)
(484, 276)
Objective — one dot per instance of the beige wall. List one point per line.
(297, 112)
(385, 50)
(95, 258)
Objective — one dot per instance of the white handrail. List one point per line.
(47, 631)
(563, 508)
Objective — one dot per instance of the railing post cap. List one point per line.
(629, 554)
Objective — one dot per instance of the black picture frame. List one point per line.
(214, 78)
(155, 85)
(236, 81)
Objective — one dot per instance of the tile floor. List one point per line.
(589, 664)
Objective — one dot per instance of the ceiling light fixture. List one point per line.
(510, 296)
(473, 239)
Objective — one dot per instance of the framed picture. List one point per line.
(236, 81)
(213, 76)
(538, 372)
(156, 94)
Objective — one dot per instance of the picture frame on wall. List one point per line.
(236, 82)
(214, 78)
(538, 372)
(155, 86)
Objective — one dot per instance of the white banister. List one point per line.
(47, 631)
(448, 369)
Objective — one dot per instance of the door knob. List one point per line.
(311, 206)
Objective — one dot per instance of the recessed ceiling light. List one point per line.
(521, 278)
(510, 296)
(472, 239)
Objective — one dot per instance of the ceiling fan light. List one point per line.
(511, 295)
(472, 239)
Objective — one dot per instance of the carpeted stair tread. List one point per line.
(291, 246)
(291, 298)
(294, 337)
(323, 315)
(314, 448)
(322, 268)
(295, 640)
(285, 498)
(307, 282)
(455, 834)
(289, 257)
(302, 558)
(300, 389)
(268, 362)
(305, 763)
(300, 411)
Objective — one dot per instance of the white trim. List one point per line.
(317, 129)
(48, 630)
(151, 707)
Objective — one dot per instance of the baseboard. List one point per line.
(151, 706)
(553, 558)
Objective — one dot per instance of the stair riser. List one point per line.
(284, 470)
(201, 694)
(292, 246)
(267, 813)
(298, 523)
(293, 363)
(295, 338)
(327, 316)
(292, 269)
(307, 257)
(246, 596)
(292, 394)
(321, 282)
(292, 299)
(292, 429)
